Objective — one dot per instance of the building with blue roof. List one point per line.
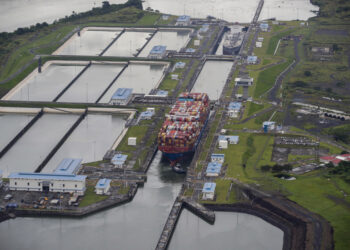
(157, 52)
(234, 109)
(232, 139)
(208, 191)
(180, 65)
(122, 96)
(204, 28)
(213, 169)
(268, 126)
(190, 50)
(68, 166)
(50, 182)
(218, 158)
(119, 160)
(162, 93)
(183, 20)
(264, 27)
(252, 59)
(103, 186)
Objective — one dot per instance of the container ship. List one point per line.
(182, 129)
(232, 43)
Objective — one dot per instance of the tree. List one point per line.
(105, 5)
(265, 168)
(307, 73)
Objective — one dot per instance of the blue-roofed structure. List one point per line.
(218, 158)
(103, 186)
(234, 108)
(204, 28)
(119, 160)
(146, 115)
(180, 65)
(252, 59)
(264, 26)
(68, 166)
(209, 191)
(232, 139)
(268, 126)
(162, 93)
(157, 52)
(183, 20)
(190, 50)
(122, 96)
(213, 169)
(65, 183)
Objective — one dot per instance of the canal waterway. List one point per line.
(212, 78)
(47, 85)
(10, 125)
(23, 13)
(92, 83)
(140, 77)
(128, 44)
(90, 140)
(32, 148)
(135, 225)
(230, 231)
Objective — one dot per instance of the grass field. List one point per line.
(91, 197)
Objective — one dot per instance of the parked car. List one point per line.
(8, 197)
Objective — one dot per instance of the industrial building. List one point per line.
(268, 126)
(68, 166)
(233, 109)
(208, 191)
(183, 21)
(213, 169)
(103, 186)
(157, 52)
(220, 158)
(121, 97)
(65, 183)
(119, 160)
(244, 81)
(335, 159)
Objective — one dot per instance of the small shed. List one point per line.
(258, 44)
(190, 50)
(220, 158)
(119, 160)
(223, 144)
(103, 186)
(132, 141)
(209, 191)
(260, 39)
(196, 42)
(264, 27)
(213, 169)
(174, 77)
(122, 96)
(204, 28)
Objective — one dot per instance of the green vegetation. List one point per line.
(340, 133)
(91, 197)
(223, 193)
(274, 41)
(254, 107)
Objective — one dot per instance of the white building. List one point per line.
(65, 183)
(232, 139)
(157, 52)
(213, 169)
(209, 191)
(220, 158)
(103, 186)
(244, 81)
(223, 144)
(234, 109)
(258, 44)
(268, 126)
(132, 141)
(264, 27)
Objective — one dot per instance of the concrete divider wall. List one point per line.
(111, 43)
(60, 143)
(145, 44)
(20, 134)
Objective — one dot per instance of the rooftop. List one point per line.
(119, 158)
(158, 49)
(162, 93)
(214, 167)
(268, 123)
(235, 106)
(46, 176)
(209, 187)
(218, 155)
(180, 64)
(233, 138)
(264, 25)
(238, 79)
(103, 183)
(122, 94)
(252, 58)
(146, 114)
(68, 166)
